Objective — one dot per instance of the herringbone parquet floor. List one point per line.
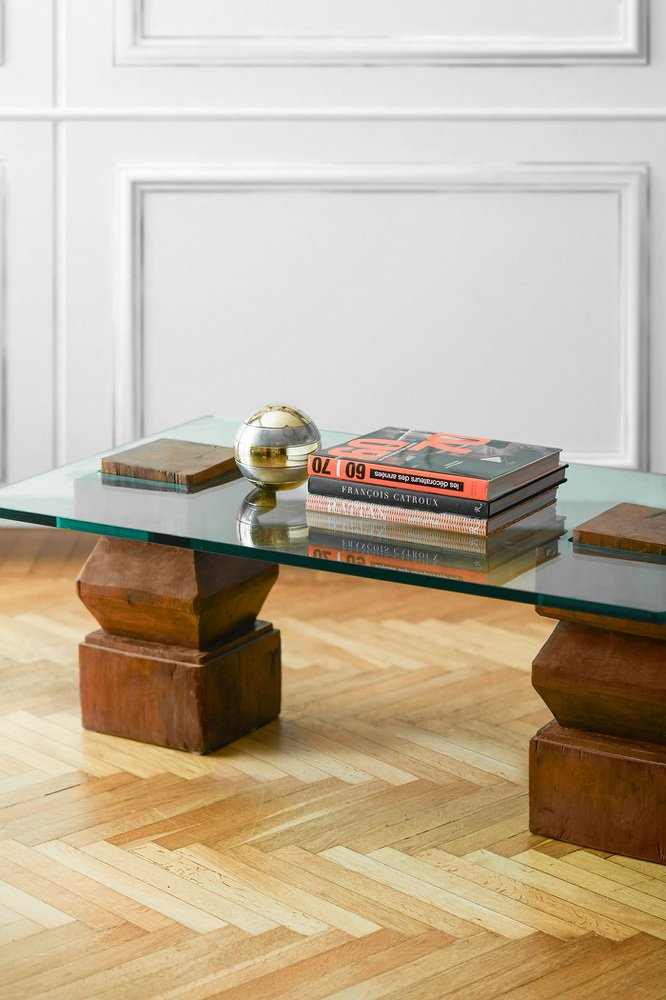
(373, 843)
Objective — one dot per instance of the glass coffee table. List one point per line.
(177, 581)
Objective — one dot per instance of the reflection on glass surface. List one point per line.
(497, 559)
(215, 520)
(277, 525)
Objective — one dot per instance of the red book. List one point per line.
(450, 464)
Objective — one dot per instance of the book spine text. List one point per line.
(397, 497)
(375, 474)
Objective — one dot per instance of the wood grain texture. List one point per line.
(599, 791)
(631, 527)
(180, 661)
(372, 843)
(598, 773)
(149, 693)
(604, 681)
(626, 625)
(187, 464)
(168, 594)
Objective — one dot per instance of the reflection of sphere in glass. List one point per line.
(281, 525)
(273, 445)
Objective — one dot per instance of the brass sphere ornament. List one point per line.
(273, 445)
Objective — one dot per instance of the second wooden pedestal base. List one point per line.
(598, 773)
(599, 791)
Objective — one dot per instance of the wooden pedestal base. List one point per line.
(181, 661)
(159, 694)
(599, 791)
(598, 773)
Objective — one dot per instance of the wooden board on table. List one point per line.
(185, 464)
(631, 527)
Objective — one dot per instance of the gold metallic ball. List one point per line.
(273, 445)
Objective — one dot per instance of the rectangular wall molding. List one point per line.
(627, 42)
(628, 182)
(332, 113)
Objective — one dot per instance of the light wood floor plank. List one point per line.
(599, 965)
(354, 974)
(384, 809)
(252, 911)
(246, 865)
(62, 983)
(365, 755)
(569, 920)
(354, 892)
(88, 888)
(634, 900)
(608, 869)
(32, 738)
(17, 930)
(32, 908)
(461, 877)
(394, 981)
(294, 741)
(167, 969)
(167, 804)
(244, 971)
(61, 898)
(51, 954)
(512, 966)
(610, 920)
(450, 913)
(347, 956)
(115, 877)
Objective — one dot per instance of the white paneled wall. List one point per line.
(374, 32)
(442, 212)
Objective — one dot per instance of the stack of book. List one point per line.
(405, 478)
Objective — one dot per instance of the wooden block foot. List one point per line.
(176, 697)
(599, 791)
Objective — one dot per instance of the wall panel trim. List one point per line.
(627, 181)
(134, 47)
(337, 114)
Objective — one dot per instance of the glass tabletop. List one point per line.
(533, 562)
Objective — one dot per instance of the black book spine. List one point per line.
(398, 497)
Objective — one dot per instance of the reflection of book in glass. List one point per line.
(498, 568)
(435, 520)
(479, 468)
(536, 529)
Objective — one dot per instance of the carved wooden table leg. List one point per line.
(180, 660)
(598, 771)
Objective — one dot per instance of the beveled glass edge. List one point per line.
(45, 520)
